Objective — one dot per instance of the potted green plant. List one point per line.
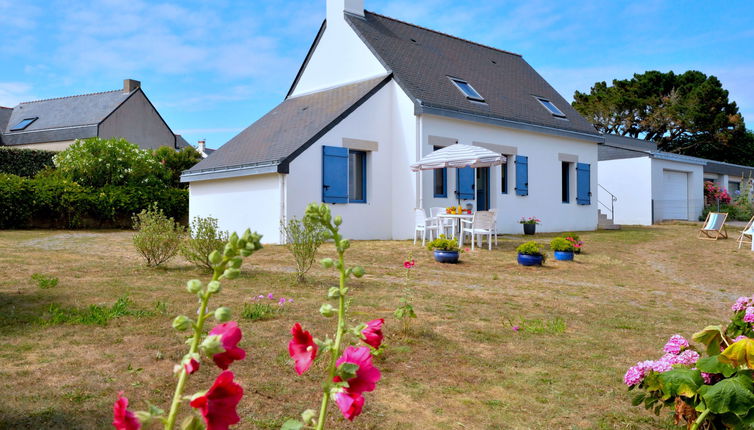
(574, 238)
(562, 248)
(530, 224)
(445, 250)
(530, 254)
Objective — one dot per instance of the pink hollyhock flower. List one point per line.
(218, 405)
(373, 333)
(466, 249)
(350, 404)
(230, 335)
(407, 264)
(350, 399)
(123, 419)
(192, 366)
(676, 344)
(366, 376)
(302, 348)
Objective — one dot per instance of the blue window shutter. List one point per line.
(465, 183)
(583, 194)
(334, 174)
(522, 175)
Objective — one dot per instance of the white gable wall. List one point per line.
(390, 191)
(240, 203)
(544, 200)
(339, 58)
(630, 180)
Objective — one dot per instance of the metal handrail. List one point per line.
(613, 199)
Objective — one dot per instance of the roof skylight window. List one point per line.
(467, 90)
(551, 107)
(23, 123)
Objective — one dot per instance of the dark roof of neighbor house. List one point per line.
(423, 60)
(180, 142)
(287, 130)
(63, 118)
(720, 168)
(4, 117)
(620, 147)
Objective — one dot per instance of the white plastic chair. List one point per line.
(482, 224)
(423, 225)
(445, 225)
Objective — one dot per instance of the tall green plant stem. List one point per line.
(701, 419)
(335, 352)
(183, 376)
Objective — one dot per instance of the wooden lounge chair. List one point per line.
(714, 226)
(746, 234)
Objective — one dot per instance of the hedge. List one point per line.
(50, 202)
(24, 162)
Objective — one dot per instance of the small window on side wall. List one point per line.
(357, 176)
(504, 176)
(565, 184)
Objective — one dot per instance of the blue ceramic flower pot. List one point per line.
(446, 256)
(564, 255)
(530, 260)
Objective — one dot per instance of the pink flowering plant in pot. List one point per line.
(215, 408)
(711, 392)
(350, 372)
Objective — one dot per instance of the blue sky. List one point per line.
(213, 67)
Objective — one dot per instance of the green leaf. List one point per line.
(192, 423)
(636, 401)
(714, 365)
(712, 336)
(680, 382)
(347, 371)
(739, 353)
(730, 395)
(292, 425)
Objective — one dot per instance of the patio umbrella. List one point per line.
(459, 156)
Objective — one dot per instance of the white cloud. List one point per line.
(13, 93)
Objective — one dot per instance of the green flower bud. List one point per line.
(231, 273)
(326, 263)
(213, 287)
(358, 271)
(308, 416)
(246, 236)
(182, 323)
(345, 244)
(338, 220)
(215, 257)
(327, 310)
(244, 252)
(233, 240)
(194, 286)
(222, 314)
(229, 250)
(236, 262)
(212, 345)
(333, 293)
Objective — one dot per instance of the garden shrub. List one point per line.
(562, 244)
(97, 162)
(24, 162)
(203, 238)
(177, 161)
(16, 206)
(735, 212)
(157, 237)
(303, 238)
(570, 234)
(529, 248)
(442, 243)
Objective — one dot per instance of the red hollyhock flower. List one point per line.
(123, 419)
(302, 348)
(192, 366)
(350, 404)
(230, 336)
(218, 405)
(373, 333)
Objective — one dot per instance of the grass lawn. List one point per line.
(462, 367)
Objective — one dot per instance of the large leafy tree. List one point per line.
(687, 113)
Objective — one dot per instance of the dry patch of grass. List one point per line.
(462, 366)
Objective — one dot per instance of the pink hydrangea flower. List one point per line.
(634, 375)
(661, 366)
(739, 338)
(707, 378)
(741, 304)
(676, 344)
(688, 357)
(749, 316)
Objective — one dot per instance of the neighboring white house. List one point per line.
(651, 186)
(374, 95)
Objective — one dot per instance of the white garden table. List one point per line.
(455, 218)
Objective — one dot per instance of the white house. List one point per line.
(651, 186)
(374, 95)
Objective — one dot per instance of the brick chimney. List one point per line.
(200, 145)
(130, 85)
(335, 9)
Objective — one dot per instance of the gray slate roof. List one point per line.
(421, 61)
(730, 169)
(64, 118)
(4, 117)
(287, 130)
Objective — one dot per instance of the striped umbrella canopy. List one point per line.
(459, 156)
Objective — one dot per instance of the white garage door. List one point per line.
(674, 201)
